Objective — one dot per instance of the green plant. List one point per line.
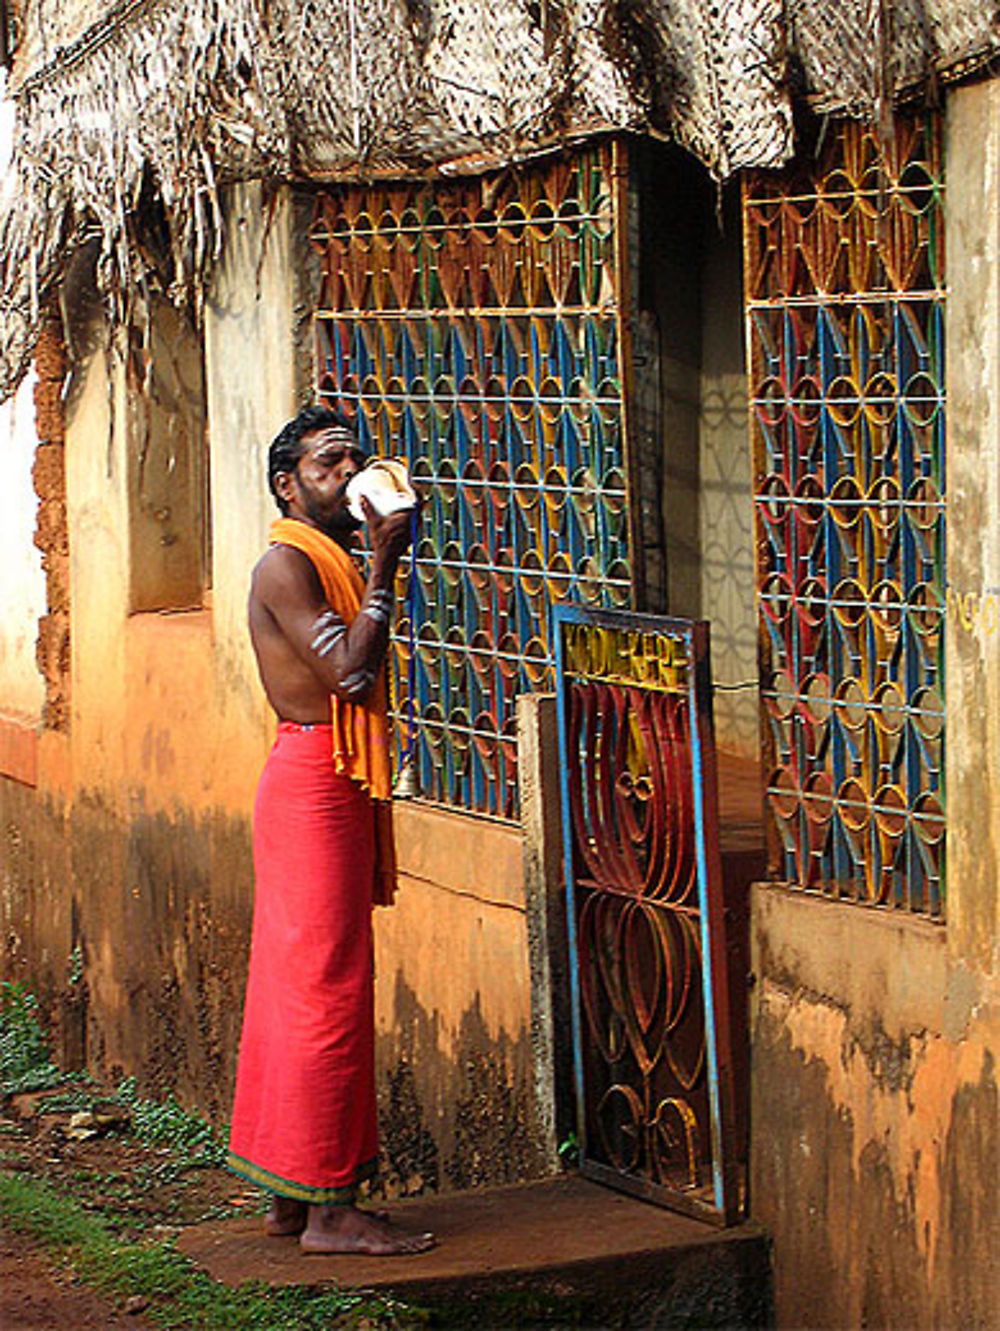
(168, 1123)
(74, 970)
(78, 1095)
(569, 1150)
(24, 1050)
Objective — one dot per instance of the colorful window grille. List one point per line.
(846, 317)
(472, 328)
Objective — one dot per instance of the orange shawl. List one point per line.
(360, 731)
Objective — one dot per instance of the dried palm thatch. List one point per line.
(183, 95)
(158, 92)
(853, 54)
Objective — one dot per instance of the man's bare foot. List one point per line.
(285, 1216)
(332, 1229)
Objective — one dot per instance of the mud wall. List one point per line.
(875, 1118)
(159, 907)
(126, 878)
(133, 933)
(876, 1036)
(22, 590)
(126, 881)
(22, 585)
(453, 1008)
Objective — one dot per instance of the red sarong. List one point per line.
(304, 1120)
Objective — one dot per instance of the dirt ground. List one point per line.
(136, 1190)
(36, 1296)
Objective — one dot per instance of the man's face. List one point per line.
(314, 491)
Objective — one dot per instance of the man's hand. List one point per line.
(389, 537)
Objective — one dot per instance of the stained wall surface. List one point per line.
(453, 1008)
(876, 1035)
(22, 587)
(127, 872)
(22, 590)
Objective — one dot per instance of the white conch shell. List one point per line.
(385, 483)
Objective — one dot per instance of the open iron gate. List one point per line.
(652, 1035)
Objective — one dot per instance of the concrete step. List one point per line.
(562, 1251)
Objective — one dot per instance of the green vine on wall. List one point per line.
(25, 1064)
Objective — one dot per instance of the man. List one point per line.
(304, 1112)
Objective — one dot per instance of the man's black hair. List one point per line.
(288, 448)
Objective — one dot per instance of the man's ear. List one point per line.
(283, 485)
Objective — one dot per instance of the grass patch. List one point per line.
(90, 1242)
(180, 1297)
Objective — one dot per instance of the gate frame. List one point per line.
(727, 1208)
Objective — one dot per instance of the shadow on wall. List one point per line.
(728, 560)
(458, 1118)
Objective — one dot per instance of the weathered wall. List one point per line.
(973, 641)
(253, 388)
(453, 1007)
(875, 1118)
(876, 1036)
(22, 587)
(136, 848)
(134, 852)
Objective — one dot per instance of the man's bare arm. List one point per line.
(346, 660)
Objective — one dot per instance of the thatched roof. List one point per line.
(178, 96)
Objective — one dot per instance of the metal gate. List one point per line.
(652, 1036)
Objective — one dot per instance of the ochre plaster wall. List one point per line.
(453, 1006)
(22, 586)
(167, 709)
(876, 1036)
(134, 852)
(875, 1118)
(253, 388)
